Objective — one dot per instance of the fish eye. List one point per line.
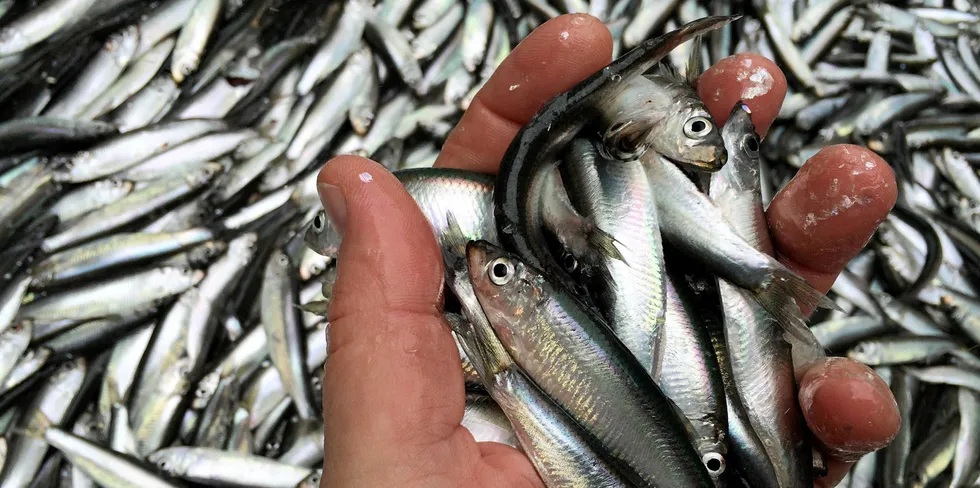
(318, 223)
(697, 127)
(715, 463)
(501, 271)
(569, 262)
(751, 145)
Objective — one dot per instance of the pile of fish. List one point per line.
(165, 268)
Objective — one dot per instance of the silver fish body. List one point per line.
(762, 363)
(103, 466)
(39, 24)
(284, 332)
(675, 462)
(47, 407)
(618, 199)
(193, 38)
(222, 468)
(557, 446)
(112, 297)
(112, 251)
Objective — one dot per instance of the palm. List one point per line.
(491, 465)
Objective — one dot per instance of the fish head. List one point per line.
(311, 481)
(205, 253)
(312, 265)
(184, 277)
(244, 245)
(322, 237)
(917, 479)
(204, 174)
(664, 114)
(741, 139)
(174, 461)
(205, 390)
(689, 138)
(742, 144)
(509, 291)
(279, 261)
(866, 352)
(115, 187)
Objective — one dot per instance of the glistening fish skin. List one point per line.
(112, 297)
(531, 315)
(284, 332)
(617, 198)
(441, 193)
(223, 468)
(531, 153)
(761, 360)
(40, 23)
(112, 251)
(557, 446)
(695, 225)
(193, 38)
(126, 150)
(132, 207)
(105, 467)
(689, 373)
(48, 406)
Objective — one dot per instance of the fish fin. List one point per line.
(605, 243)
(783, 298)
(694, 64)
(486, 354)
(454, 244)
(316, 307)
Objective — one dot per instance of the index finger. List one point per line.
(560, 53)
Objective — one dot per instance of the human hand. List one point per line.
(393, 389)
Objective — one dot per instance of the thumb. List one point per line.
(392, 382)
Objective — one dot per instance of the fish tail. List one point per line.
(785, 295)
(605, 243)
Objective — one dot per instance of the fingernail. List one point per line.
(334, 205)
(848, 407)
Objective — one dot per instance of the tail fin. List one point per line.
(783, 298)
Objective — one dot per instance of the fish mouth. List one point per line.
(709, 166)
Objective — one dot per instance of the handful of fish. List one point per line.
(166, 270)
